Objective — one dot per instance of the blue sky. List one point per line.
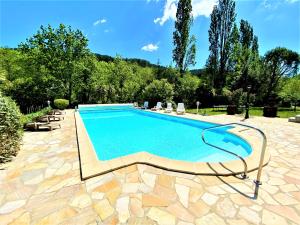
(143, 28)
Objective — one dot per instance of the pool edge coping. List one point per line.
(91, 166)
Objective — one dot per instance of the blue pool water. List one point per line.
(120, 131)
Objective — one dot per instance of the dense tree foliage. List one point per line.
(56, 52)
(291, 91)
(159, 91)
(278, 63)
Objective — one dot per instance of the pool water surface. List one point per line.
(117, 132)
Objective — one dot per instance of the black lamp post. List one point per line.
(247, 102)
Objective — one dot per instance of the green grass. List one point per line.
(29, 117)
(254, 111)
(207, 111)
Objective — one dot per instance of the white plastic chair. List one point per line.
(180, 108)
(158, 106)
(146, 105)
(169, 108)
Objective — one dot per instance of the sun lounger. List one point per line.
(56, 117)
(157, 107)
(41, 125)
(57, 112)
(169, 108)
(48, 118)
(180, 108)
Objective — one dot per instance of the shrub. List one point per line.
(187, 87)
(30, 117)
(158, 91)
(61, 103)
(10, 128)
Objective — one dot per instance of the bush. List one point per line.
(158, 91)
(30, 117)
(10, 128)
(61, 103)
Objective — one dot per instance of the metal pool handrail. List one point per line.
(262, 155)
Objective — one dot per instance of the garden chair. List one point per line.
(169, 108)
(146, 105)
(157, 107)
(180, 108)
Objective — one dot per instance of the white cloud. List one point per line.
(106, 30)
(169, 12)
(203, 7)
(200, 8)
(150, 47)
(97, 22)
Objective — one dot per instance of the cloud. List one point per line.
(106, 30)
(97, 22)
(150, 47)
(169, 12)
(200, 8)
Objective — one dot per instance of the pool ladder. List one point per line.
(262, 155)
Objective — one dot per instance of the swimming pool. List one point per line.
(117, 131)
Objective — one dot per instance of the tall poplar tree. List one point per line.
(185, 48)
(222, 23)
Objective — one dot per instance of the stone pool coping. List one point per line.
(90, 166)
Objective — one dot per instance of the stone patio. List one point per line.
(42, 185)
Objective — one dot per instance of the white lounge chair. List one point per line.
(169, 108)
(146, 105)
(157, 107)
(180, 108)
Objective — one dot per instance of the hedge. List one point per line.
(10, 128)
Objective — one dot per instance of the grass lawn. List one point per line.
(254, 111)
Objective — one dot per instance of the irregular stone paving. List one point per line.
(42, 186)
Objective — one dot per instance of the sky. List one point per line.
(143, 28)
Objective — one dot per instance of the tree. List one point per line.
(56, 51)
(187, 87)
(291, 90)
(185, 48)
(244, 56)
(222, 23)
(158, 91)
(279, 62)
(190, 58)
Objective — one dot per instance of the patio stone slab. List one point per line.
(42, 185)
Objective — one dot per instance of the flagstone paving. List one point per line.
(42, 186)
